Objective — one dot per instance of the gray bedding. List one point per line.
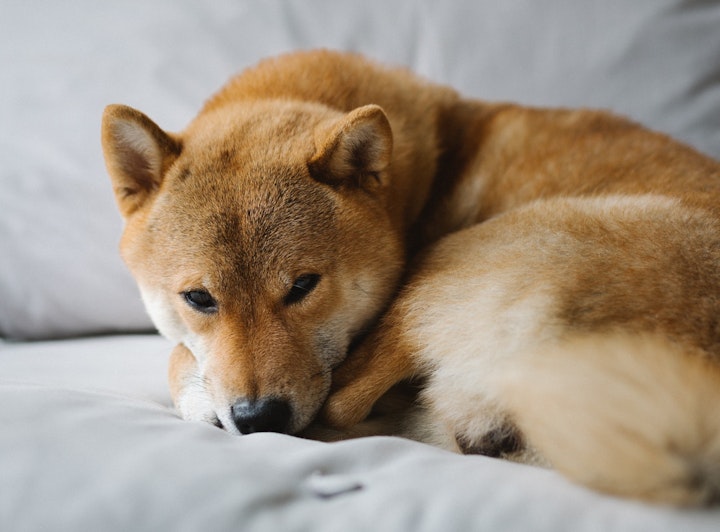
(88, 438)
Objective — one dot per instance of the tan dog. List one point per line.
(273, 232)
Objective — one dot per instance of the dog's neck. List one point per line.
(454, 197)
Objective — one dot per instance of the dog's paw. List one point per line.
(345, 408)
(182, 368)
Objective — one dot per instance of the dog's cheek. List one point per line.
(308, 389)
(307, 403)
(163, 314)
(361, 298)
(331, 344)
(198, 346)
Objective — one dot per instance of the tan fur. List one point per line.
(327, 164)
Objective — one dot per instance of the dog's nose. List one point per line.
(262, 415)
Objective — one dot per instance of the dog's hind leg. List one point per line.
(504, 439)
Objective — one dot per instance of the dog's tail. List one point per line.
(631, 416)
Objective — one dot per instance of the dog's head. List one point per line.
(261, 240)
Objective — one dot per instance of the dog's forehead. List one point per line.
(240, 197)
(251, 159)
(242, 217)
(275, 207)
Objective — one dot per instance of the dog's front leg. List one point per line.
(380, 362)
(189, 389)
(182, 367)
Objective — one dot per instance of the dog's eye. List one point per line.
(302, 286)
(201, 300)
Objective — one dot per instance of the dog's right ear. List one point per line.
(137, 154)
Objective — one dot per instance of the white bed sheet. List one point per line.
(89, 442)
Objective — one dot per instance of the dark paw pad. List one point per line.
(502, 440)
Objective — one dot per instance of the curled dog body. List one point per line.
(320, 202)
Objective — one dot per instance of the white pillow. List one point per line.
(62, 62)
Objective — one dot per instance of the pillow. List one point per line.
(61, 63)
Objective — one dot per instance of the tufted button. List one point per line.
(326, 486)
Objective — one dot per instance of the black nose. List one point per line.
(262, 415)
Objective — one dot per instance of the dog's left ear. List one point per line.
(357, 146)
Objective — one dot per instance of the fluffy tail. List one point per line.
(631, 416)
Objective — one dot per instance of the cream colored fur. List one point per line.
(634, 415)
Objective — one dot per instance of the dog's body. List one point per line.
(274, 231)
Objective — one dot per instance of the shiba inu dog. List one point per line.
(562, 296)
(272, 232)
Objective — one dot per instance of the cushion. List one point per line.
(657, 61)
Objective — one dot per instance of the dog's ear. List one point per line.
(137, 154)
(356, 147)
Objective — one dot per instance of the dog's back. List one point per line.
(593, 230)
